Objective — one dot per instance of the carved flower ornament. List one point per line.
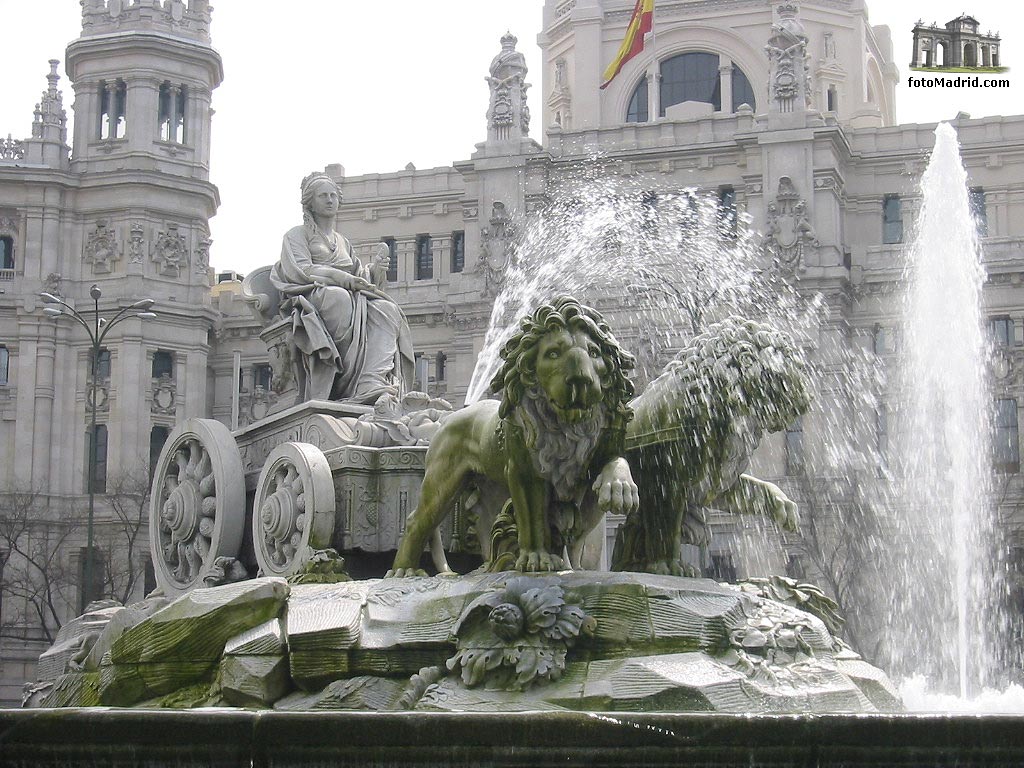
(516, 636)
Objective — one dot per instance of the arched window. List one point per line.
(690, 77)
(6, 252)
(637, 112)
(742, 92)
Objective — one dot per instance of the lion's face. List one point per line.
(571, 371)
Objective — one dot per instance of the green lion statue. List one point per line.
(692, 436)
(551, 451)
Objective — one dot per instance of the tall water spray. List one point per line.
(943, 613)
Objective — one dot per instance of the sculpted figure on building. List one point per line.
(352, 337)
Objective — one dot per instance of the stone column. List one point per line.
(725, 85)
(406, 249)
(653, 92)
(172, 133)
(126, 449)
(442, 255)
(917, 49)
(45, 432)
(111, 97)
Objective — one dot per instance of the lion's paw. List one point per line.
(534, 561)
(671, 568)
(404, 573)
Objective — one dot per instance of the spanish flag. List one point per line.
(640, 23)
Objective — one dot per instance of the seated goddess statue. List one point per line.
(353, 338)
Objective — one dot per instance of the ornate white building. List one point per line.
(785, 112)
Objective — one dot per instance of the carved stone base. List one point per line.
(499, 642)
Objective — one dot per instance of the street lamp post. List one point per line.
(97, 331)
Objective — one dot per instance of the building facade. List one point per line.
(785, 112)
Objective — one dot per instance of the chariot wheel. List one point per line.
(197, 505)
(294, 508)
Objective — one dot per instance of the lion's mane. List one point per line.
(518, 373)
(562, 455)
(743, 367)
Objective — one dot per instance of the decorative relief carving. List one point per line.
(101, 248)
(790, 75)
(788, 230)
(136, 243)
(9, 224)
(165, 395)
(170, 251)
(255, 406)
(52, 284)
(202, 263)
(498, 249)
(508, 108)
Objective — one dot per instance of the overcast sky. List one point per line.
(377, 86)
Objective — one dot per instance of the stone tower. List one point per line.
(133, 218)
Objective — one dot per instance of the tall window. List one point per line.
(157, 438)
(690, 77)
(892, 219)
(98, 477)
(392, 259)
(1001, 331)
(5, 366)
(881, 340)
(977, 200)
(458, 251)
(6, 252)
(832, 96)
(172, 112)
(113, 98)
(422, 373)
(424, 257)
(440, 364)
(99, 567)
(163, 364)
(727, 210)
(1007, 436)
(102, 367)
(795, 448)
(261, 375)
(637, 111)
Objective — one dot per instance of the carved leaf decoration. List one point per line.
(475, 663)
(485, 603)
(541, 606)
(568, 624)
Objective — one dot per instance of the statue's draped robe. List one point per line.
(354, 344)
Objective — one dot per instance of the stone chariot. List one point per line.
(309, 476)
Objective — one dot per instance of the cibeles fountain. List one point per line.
(265, 601)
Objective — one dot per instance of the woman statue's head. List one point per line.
(311, 186)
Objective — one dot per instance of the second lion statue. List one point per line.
(553, 446)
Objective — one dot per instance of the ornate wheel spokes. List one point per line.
(198, 494)
(188, 510)
(294, 507)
